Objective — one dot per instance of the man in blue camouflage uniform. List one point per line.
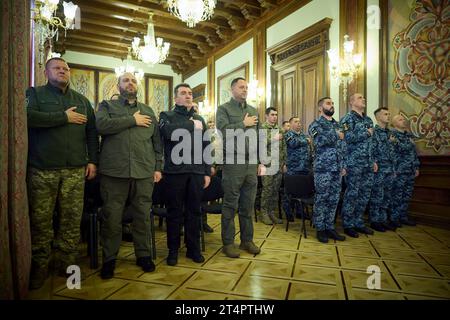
(327, 140)
(359, 164)
(298, 147)
(380, 198)
(406, 169)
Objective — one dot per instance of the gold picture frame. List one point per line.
(159, 93)
(199, 92)
(83, 82)
(224, 82)
(98, 84)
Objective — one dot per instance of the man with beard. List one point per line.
(62, 151)
(360, 166)
(130, 163)
(328, 170)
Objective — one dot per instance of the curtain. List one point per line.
(15, 243)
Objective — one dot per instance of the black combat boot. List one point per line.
(322, 236)
(351, 233)
(146, 263)
(332, 234)
(377, 227)
(107, 271)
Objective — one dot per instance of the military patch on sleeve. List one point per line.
(345, 127)
(27, 101)
(313, 132)
(392, 138)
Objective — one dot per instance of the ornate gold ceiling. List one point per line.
(108, 28)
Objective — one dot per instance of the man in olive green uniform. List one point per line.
(271, 182)
(130, 162)
(62, 151)
(237, 121)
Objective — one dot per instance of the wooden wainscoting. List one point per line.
(431, 199)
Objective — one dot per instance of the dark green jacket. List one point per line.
(179, 118)
(127, 150)
(53, 143)
(230, 119)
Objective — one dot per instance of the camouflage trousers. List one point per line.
(402, 192)
(359, 186)
(380, 199)
(270, 192)
(55, 194)
(328, 190)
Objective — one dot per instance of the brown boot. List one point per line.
(264, 218)
(275, 219)
(250, 247)
(230, 251)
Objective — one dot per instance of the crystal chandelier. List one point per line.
(47, 24)
(346, 69)
(152, 52)
(129, 68)
(192, 11)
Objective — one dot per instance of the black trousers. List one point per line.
(184, 191)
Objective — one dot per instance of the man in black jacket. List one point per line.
(186, 172)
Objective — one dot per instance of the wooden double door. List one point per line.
(299, 73)
(299, 87)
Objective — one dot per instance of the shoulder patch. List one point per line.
(345, 127)
(313, 132)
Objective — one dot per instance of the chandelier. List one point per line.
(192, 11)
(47, 24)
(129, 68)
(152, 52)
(346, 69)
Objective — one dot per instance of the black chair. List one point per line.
(89, 222)
(258, 197)
(211, 203)
(300, 188)
(280, 196)
(158, 209)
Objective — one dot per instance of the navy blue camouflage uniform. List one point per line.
(298, 160)
(406, 163)
(327, 171)
(298, 153)
(383, 153)
(358, 162)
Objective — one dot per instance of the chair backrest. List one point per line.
(158, 196)
(92, 197)
(214, 190)
(299, 186)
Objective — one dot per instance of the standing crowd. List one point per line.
(133, 151)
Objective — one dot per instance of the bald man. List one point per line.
(130, 163)
(406, 166)
(359, 164)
